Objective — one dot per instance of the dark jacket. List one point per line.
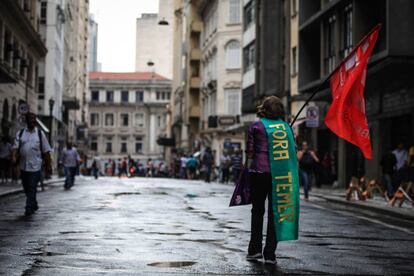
(257, 147)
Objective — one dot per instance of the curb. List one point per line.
(20, 190)
(376, 209)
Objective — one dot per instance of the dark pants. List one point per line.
(305, 176)
(30, 181)
(70, 173)
(226, 174)
(260, 189)
(236, 174)
(208, 173)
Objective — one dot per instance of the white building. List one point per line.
(154, 41)
(221, 76)
(127, 114)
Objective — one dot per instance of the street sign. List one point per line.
(312, 116)
(23, 108)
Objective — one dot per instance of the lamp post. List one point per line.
(51, 104)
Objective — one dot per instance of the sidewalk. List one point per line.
(11, 189)
(376, 204)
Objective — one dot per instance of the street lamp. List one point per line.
(51, 104)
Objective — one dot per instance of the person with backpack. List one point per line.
(208, 163)
(31, 149)
(307, 159)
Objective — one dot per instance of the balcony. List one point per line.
(195, 82)
(196, 27)
(195, 54)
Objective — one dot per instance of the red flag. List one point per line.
(346, 116)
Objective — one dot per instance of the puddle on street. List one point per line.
(172, 264)
(126, 194)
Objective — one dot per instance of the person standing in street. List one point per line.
(192, 164)
(236, 164)
(264, 171)
(208, 163)
(70, 161)
(388, 165)
(307, 159)
(5, 158)
(225, 163)
(183, 168)
(31, 148)
(401, 155)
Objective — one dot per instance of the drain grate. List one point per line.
(172, 264)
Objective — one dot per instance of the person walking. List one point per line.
(307, 159)
(236, 164)
(192, 164)
(225, 163)
(208, 163)
(261, 174)
(31, 148)
(70, 161)
(388, 165)
(95, 167)
(5, 158)
(183, 168)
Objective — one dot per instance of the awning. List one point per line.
(42, 126)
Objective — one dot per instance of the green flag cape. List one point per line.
(285, 179)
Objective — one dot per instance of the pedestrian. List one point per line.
(31, 149)
(208, 163)
(388, 166)
(307, 159)
(183, 167)
(236, 164)
(261, 175)
(95, 168)
(401, 155)
(192, 164)
(123, 171)
(150, 168)
(5, 158)
(70, 161)
(225, 163)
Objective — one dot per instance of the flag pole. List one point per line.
(316, 90)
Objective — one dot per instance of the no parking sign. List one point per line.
(312, 116)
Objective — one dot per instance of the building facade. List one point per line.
(221, 75)
(75, 77)
(154, 40)
(21, 50)
(127, 115)
(328, 30)
(93, 64)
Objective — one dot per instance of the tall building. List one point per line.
(21, 50)
(75, 79)
(327, 32)
(93, 64)
(154, 38)
(51, 72)
(220, 53)
(127, 114)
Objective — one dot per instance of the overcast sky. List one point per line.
(116, 31)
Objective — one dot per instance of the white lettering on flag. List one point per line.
(350, 63)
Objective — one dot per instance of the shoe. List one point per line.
(254, 257)
(270, 261)
(28, 213)
(35, 208)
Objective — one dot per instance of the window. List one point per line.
(139, 96)
(347, 32)
(94, 144)
(234, 11)
(233, 55)
(41, 88)
(294, 61)
(43, 12)
(124, 119)
(109, 96)
(212, 103)
(329, 60)
(138, 145)
(249, 57)
(124, 96)
(94, 119)
(109, 119)
(249, 15)
(108, 147)
(159, 120)
(95, 96)
(139, 120)
(124, 147)
(232, 101)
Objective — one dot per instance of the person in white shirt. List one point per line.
(70, 160)
(32, 148)
(5, 158)
(401, 155)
